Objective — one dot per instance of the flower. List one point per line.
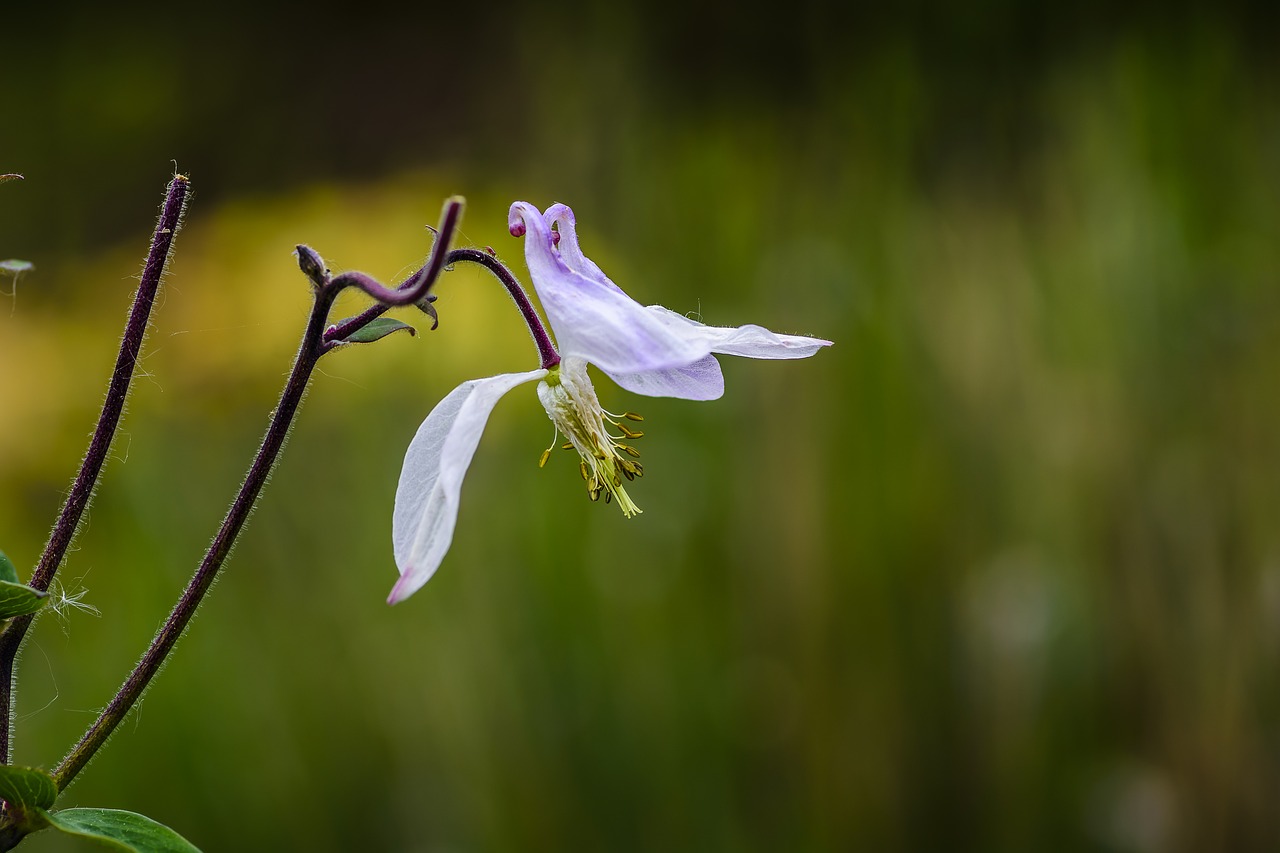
(647, 350)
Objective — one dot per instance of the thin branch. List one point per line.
(419, 285)
(99, 446)
(546, 349)
(309, 353)
(313, 346)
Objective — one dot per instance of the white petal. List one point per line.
(431, 479)
(701, 380)
(749, 341)
(593, 319)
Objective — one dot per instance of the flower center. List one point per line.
(571, 403)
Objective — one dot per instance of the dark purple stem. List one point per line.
(546, 349)
(308, 354)
(313, 346)
(419, 285)
(82, 489)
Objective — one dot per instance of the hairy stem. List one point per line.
(315, 343)
(82, 489)
(291, 397)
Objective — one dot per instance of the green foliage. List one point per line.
(377, 330)
(16, 599)
(8, 571)
(28, 787)
(120, 830)
(19, 599)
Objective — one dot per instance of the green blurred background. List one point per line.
(999, 571)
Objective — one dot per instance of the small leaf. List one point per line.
(120, 830)
(19, 599)
(430, 311)
(16, 266)
(8, 571)
(27, 787)
(376, 330)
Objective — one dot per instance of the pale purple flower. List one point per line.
(646, 350)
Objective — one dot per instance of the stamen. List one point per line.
(605, 460)
(546, 454)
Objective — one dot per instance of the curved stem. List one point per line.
(541, 338)
(546, 349)
(82, 489)
(419, 285)
(314, 345)
(308, 354)
(316, 341)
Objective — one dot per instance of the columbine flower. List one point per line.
(646, 350)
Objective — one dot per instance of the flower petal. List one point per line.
(427, 497)
(701, 380)
(593, 319)
(561, 216)
(749, 341)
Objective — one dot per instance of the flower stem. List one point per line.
(315, 343)
(546, 349)
(304, 363)
(411, 291)
(82, 489)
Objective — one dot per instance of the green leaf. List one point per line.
(120, 830)
(16, 266)
(27, 787)
(376, 330)
(19, 599)
(8, 571)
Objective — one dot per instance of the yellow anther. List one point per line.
(546, 454)
(632, 416)
(631, 434)
(630, 451)
(568, 445)
(582, 466)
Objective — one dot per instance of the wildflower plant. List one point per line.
(645, 350)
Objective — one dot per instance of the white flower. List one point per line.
(646, 350)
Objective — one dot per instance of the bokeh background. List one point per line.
(999, 571)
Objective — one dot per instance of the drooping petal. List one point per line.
(593, 319)
(701, 380)
(427, 497)
(749, 341)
